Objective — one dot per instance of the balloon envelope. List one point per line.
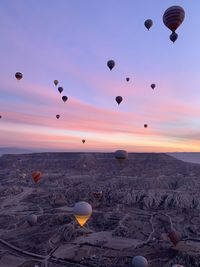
(127, 79)
(173, 37)
(36, 176)
(111, 64)
(18, 75)
(173, 17)
(118, 99)
(60, 89)
(64, 98)
(145, 125)
(139, 261)
(32, 219)
(83, 141)
(121, 155)
(98, 194)
(56, 82)
(174, 237)
(57, 116)
(148, 23)
(153, 86)
(82, 212)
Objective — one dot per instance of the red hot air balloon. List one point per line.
(111, 64)
(118, 99)
(36, 176)
(18, 75)
(64, 98)
(83, 141)
(174, 237)
(148, 23)
(173, 18)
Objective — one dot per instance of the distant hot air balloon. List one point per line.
(127, 79)
(32, 219)
(118, 99)
(173, 18)
(173, 37)
(18, 75)
(145, 125)
(153, 86)
(36, 176)
(82, 212)
(97, 194)
(0, 117)
(174, 237)
(111, 64)
(139, 261)
(56, 82)
(121, 155)
(57, 116)
(148, 23)
(60, 89)
(64, 98)
(83, 141)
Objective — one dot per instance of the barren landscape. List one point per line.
(143, 198)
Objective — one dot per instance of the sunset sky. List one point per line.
(71, 40)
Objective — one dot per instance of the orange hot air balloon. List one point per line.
(174, 237)
(36, 176)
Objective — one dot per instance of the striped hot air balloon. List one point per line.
(36, 176)
(173, 18)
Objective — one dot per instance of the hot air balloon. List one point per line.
(118, 99)
(56, 82)
(111, 64)
(153, 86)
(83, 141)
(127, 79)
(64, 98)
(60, 89)
(174, 237)
(0, 117)
(97, 194)
(139, 261)
(32, 219)
(82, 212)
(57, 116)
(18, 75)
(121, 155)
(145, 125)
(173, 18)
(173, 37)
(148, 23)
(36, 176)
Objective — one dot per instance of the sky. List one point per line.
(71, 41)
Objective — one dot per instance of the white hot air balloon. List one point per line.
(82, 212)
(139, 261)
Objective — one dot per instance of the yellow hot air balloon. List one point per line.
(82, 212)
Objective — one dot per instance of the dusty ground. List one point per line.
(142, 200)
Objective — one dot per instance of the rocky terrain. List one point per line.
(143, 198)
